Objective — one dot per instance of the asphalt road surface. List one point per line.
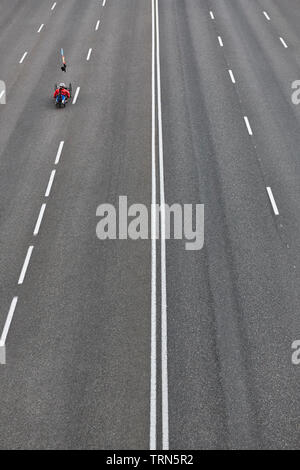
(138, 344)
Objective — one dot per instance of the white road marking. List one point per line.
(25, 265)
(97, 25)
(220, 41)
(164, 336)
(76, 95)
(266, 15)
(104, 3)
(39, 220)
(212, 15)
(231, 76)
(50, 183)
(2, 93)
(60, 148)
(89, 54)
(248, 125)
(23, 57)
(153, 380)
(5, 331)
(53, 6)
(40, 28)
(274, 205)
(283, 42)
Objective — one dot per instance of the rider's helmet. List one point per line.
(62, 85)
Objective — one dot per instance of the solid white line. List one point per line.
(76, 95)
(212, 15)
(220, 41)
(59, 152)
(274, 205)
(97, 25)
(40, 28)
(8, 321)
(50, 183)
(89, 54)
(39, 220)
(153, 380)
(25, 265)
(231, 76)
(266, 15)
(164, 337)
(283, 42)
(23, 57)
(53, 6)
(248, 125)
(104, 3)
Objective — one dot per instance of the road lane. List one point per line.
(78, 350)
(232, 307)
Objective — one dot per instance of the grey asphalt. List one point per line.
(78, 351)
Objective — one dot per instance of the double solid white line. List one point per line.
(153, 379)
(163, 281)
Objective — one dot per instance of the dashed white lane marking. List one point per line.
(60, 148)
(153, 375)
(40, 28)
(283, 42)
(25, 265)
(89, 54)
(231, 76)
(212, 15)
(97, 25)
(272, 199)
(53, 6)
(164, 321)
(220, 41)
(8, 321)
(104, 3)
(266, 15)
(23, 57)
(248, 125)
(48, 190)
(76, 95)
(39, 220)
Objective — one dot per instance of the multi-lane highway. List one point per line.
(123, 344)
